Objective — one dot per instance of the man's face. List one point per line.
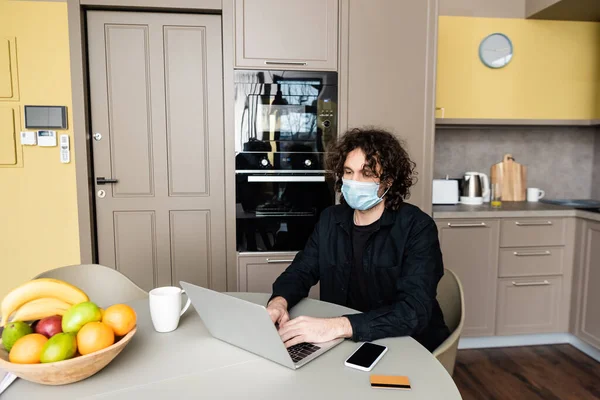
(356, 169)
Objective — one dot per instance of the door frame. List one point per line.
(77, 10)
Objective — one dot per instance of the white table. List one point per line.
(189, 363)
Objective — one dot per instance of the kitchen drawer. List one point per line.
(531, 261)
(528, 305)
(256, 273)
(526, 232)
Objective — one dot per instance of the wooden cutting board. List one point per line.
(512, 178)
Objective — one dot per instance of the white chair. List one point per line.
(452, 302)
(103, 285)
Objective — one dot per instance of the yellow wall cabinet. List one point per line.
(554, 73)
(38, 200)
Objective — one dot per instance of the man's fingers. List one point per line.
(284, 318)
(295, 341)
(295, 321)
(274, 314)
(289, 334)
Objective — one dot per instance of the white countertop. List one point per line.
(520, 209)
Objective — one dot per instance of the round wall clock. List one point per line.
(496, 50)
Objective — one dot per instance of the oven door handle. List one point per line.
(283, 178)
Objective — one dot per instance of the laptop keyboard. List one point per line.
(300, 351)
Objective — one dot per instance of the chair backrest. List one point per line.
(103, 285)
(450, 296)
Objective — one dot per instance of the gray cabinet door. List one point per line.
(256, 273)
(470, 249)
(529, 305)
(387, 76)
(156, 89)
(590, 316)
(286, 34)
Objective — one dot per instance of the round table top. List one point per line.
(190, 363)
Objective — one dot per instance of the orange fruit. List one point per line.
(121, 318)
(27, 349)
(94, 336)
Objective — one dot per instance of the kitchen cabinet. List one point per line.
(387, 76)
(286, 34)
(257, 272)
(470, 249)
(589, 318)
(521, 232)
(529, 305)
(534, 88)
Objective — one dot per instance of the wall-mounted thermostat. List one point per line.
(29, 138)
(46, 138)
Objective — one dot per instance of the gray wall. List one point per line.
(596, 173)
(483, 8)
(559, 160)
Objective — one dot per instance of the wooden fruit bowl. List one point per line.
(67, 371)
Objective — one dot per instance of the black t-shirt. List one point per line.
(358, 296)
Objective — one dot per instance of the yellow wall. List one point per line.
(38, 202)
(554, 73)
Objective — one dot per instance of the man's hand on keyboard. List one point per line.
(278, 312)
(314, 330)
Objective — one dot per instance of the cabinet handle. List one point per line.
(544, 283)
(478, 225)
(545, 223)
(277, 261)
(535, 253)
(442, 109)
(285, 63)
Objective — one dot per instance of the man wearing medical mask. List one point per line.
(373, 253)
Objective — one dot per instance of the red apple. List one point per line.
(49, 326)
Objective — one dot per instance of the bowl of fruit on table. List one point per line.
(53, 334)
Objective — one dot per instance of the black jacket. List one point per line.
(403, 263)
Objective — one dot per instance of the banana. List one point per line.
(40, 308)
(36, 289)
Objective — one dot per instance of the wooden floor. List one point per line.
(557, 372)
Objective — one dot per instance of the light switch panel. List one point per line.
(28, 138)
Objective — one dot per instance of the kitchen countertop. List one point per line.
(520, 209)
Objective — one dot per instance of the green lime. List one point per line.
(13, 332)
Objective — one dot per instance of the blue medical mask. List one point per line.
(361, 195)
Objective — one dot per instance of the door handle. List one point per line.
(544, 223)
(278, 261)
(474, 225)
(284, 63)
(538, 253)
(544, 283)
(103, 181)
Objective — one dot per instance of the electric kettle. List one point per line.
(474, 187)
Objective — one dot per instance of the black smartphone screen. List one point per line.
(366, 355)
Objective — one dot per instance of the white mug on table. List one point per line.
(165, 307)
(534, 194)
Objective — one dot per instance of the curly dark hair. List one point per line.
(380, 147)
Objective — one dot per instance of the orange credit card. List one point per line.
(390, 382)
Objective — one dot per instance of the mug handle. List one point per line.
(541, 194)
(187, 304)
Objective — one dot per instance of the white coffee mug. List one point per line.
(165, 307)
(534, 194)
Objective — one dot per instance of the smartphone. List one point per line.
(366, 356)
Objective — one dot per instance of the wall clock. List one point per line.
(496, 50)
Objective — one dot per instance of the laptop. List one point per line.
(248, 326)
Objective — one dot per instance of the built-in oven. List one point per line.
(285, 121)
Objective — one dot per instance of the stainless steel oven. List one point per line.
(284, 122)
